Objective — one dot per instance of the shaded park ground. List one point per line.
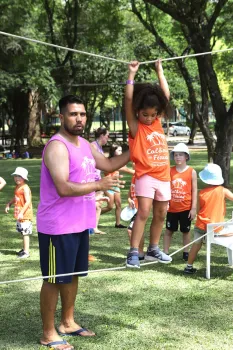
(156, 307)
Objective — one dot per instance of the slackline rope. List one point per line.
(111, 268)
(61, 47)
(110, 58)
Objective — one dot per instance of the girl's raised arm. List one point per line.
(162, 80)
(129, 111)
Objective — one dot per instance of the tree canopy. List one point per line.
(33, 76)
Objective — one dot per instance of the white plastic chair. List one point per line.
(225, 241)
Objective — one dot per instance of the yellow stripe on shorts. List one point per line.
(52, 262)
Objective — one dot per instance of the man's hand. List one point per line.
(7, 209)
(109, 182)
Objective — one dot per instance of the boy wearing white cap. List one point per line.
(211, 208)
(23, 209)
(183, 203)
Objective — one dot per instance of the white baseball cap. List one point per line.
(180, 147)
(127, 213)
(212, 174)
(21, 172)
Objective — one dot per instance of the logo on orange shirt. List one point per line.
(158, 152)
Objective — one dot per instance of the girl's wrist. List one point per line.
(131, 76)
(129, 82)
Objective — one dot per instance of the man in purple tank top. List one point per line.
(65, 213)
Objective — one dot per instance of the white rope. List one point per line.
(110, 58)
(62, 47)
(111, 268)
(187, 56)
(62, 275)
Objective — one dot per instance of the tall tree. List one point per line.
(198, 20)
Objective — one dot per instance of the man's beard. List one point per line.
(72, 131)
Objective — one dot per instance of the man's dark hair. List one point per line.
(69, 99)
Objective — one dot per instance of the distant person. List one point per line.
(114, 194)
(101, 138)
(211, 208)
(145, 104)
(23, 209)
(65, 214)
(183, 204)
(2, 183)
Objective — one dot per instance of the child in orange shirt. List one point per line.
(183, 204)
(144, 106)
(115, 194)
(23, 209)
(211, 208)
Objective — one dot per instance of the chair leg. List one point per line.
(230, 256)
(208, 249)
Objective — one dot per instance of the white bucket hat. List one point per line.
(212, 174)
(21, 172)
(127, 213)
(180, 147)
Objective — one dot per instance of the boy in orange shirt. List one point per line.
(23, 209)
(211, 208)
(183, 203)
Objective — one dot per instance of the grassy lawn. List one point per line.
(156, 307)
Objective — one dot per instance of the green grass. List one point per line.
(118, 126)
(156, 307)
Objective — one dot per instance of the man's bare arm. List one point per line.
(110, 164)
(56, 159)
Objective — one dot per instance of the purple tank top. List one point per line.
(63, 215)
(97, 171)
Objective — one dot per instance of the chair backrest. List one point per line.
(223, 236)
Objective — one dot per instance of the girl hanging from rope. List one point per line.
(144, 106)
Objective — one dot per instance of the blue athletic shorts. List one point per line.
(60, 254)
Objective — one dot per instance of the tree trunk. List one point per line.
(20, 112)
(223, 150)
(193, 132)
(34, 131)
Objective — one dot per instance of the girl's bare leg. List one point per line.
(144, 207)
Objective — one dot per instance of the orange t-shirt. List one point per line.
(20, 202)
(212, 206)
(149, 151)
(132, 192)
(181, 190)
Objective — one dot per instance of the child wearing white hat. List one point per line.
(211, 208)
(23, 209)
(183, 203)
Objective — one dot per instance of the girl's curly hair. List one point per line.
(151, 96)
